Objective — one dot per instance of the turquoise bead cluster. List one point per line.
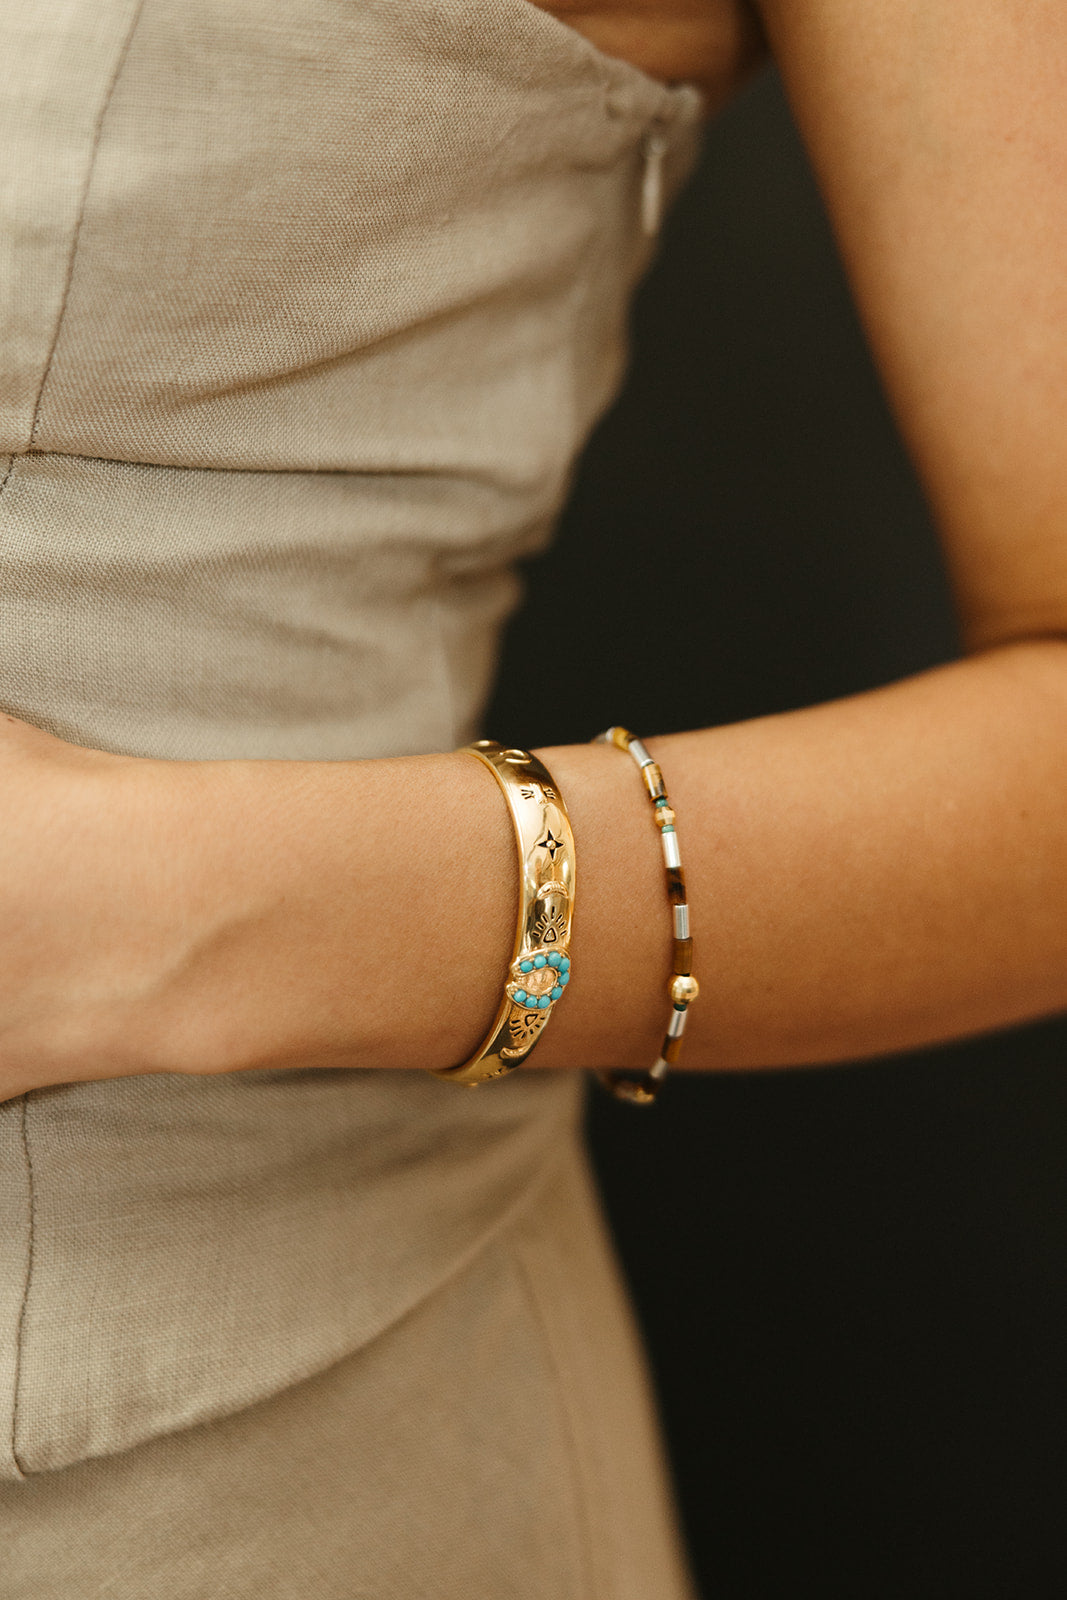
(541, 1002)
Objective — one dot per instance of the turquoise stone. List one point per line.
(564, 978)
(554, 959)
(544, 1002)
(565, 964)
(531, 1002)
(525, 966)
(520, 997)
(557, 991)
(539, 961)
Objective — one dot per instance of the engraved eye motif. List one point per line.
(523, 1026)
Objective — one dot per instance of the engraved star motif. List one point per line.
(551, 844)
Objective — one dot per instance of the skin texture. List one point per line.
(867, 875)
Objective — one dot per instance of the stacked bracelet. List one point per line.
(540, 964)
(683, 987)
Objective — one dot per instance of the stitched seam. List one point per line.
(94, 149)
(447, 473)
(30, 1251)
(20, 1330)
(583, 1516)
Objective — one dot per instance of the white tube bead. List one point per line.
(671, 853)
(676, 1026)
(681, 922)
(639, 753)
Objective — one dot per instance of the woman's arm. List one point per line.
(938, 134)
(864, 876)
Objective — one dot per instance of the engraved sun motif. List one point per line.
(549, 924)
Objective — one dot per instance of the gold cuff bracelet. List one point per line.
(540, 965)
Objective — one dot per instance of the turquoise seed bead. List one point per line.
(531, 1002)
(525, 966)
(539, 961)
(554, 959)
(520, 997)
(564, 978)
(557, 991)
(565, 963)
(544, 1002)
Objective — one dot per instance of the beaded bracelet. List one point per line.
(683, 987)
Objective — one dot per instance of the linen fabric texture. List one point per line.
(306, 311)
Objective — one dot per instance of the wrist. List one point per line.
(621, 935)
(84, 934)
(338, 914)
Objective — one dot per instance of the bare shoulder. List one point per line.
(713, 43)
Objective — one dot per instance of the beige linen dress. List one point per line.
(307, 306)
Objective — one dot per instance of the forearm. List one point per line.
(212, 916)
(865, 876)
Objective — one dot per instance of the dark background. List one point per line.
(851, 1280)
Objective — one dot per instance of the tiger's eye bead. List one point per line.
(653, 781)
(684, 989)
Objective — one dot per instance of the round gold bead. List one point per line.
(665, 816)
(683, 989)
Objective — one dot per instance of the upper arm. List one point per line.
(938, 129)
